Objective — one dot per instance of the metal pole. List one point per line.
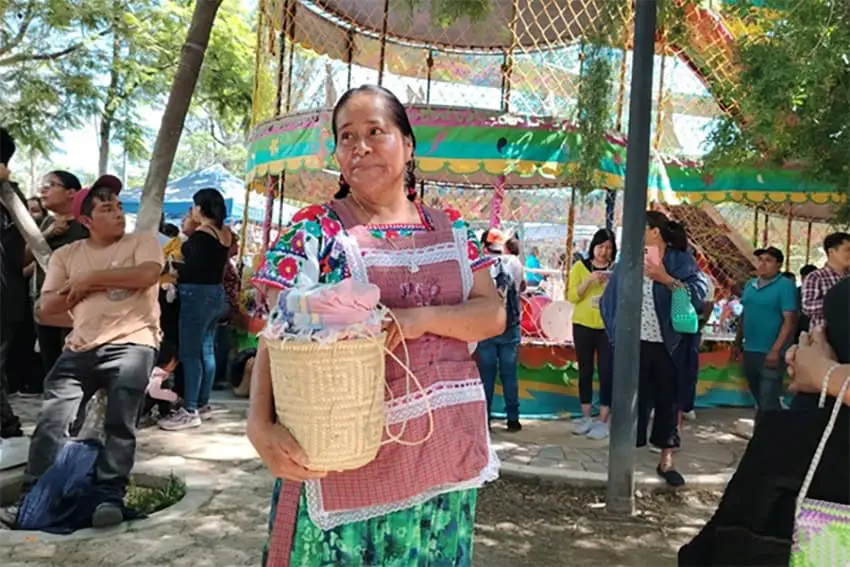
(788, 238)
(756, 228)
(383, 42)
(808, 241)
(621, 460)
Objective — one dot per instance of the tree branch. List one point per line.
(54, 55)
(212, 133)
(29, 16)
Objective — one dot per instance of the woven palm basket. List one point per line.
(331, 398)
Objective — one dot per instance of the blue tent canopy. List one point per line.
(178, 194)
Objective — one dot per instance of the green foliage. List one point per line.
(46, 69)
(446, 12)
(793, 91)
(66, 62)
(149, 500)
(593, 118)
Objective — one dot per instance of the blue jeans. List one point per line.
(765, 383)
(201, 306)
(499, 355)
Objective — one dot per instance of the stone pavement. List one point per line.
(222, 520)
(548, 449)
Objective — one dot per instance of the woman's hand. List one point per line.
(809, 361)
(657, 273)
(281, 453)
(408, 324)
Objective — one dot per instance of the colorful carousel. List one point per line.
(499, 146)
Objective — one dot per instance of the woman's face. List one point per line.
(34, 208)
(189, 223)
(371, 150)
(652, 236)
(54, 195)
(602, 252)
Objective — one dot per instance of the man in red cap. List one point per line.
(108, 283)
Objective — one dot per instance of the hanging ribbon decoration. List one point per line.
(497, 201)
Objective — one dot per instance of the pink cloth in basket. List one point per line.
(336, 305)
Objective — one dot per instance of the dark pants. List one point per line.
(687, 358)
(658, 391)
(9, 423)
(223, 346)
(123, 370)
(25, 371)
(499, 356)
(51, 344)
(593, 344)
(765, 383)
(201, 306)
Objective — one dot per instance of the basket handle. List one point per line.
(830, 425)
(409, 375)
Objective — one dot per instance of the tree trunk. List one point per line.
(103, 135)
(168, 138)
(109, 105)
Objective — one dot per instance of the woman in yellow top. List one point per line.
(588, 278)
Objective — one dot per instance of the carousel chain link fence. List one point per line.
(527, 60)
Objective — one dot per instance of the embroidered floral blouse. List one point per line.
(310, 238)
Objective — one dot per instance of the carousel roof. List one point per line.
(536, 23)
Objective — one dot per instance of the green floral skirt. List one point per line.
(437, 533)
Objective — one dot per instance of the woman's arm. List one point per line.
(261, 406)
(276, 446)
(481, 317)
(579, 281)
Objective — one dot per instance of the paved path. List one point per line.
(231, 490)
(710, 451)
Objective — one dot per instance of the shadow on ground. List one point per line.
(541, 524)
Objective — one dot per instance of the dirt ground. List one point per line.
(522, 523)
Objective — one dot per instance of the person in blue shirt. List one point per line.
(532, 262)
(668, 265)
(766, 328)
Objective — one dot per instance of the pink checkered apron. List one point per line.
(428, 268)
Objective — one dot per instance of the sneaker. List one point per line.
(107, 514)
(180, 420)
(690, 415)
(598, 430)
(9, 516)
(514, 425)
(205, 411)
(582, 425)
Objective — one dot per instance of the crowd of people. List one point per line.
(139, 315)
(143, 317)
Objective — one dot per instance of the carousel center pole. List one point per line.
(621, 461)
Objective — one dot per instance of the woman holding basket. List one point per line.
(415, 503)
